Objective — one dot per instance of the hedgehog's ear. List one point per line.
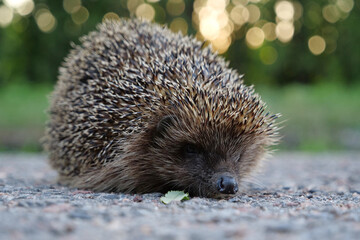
(164, 123)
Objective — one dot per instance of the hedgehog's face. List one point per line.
(206, 161)
(210, 173)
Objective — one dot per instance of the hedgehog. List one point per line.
(139, 109)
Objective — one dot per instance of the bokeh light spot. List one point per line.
(133, 4)
(269, 31)
(26, 8)
(160, 14)
(45, 20)
(316, 45)
(284, 10)
(242, 2)
(6, 15)
(239, 14)
(71, 6)
(345, 5)
(221, 43)
(222, 19)
(254, 13)
(331, 13)
(175, 7)
(14, 4)
(298, 10)
(198, 5)
(255, 37)
(22, 7)
(179, 24)
(145, 11)
(284, 31)
(268, 55)
(217, 4)
(80, 16)
(111, 16)
(209, 28)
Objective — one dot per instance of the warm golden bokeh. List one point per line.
(284, 31)
(71, 6)
(254, 13)
(331, 13)
(179, 24)
(221, 19)
(80, 16)
(268, 55)
(345, 5)
(45, 20)
(284, 10)
(214, 22)
(255, 37)
(239, 14)
(285, 13)
(175, 7)
(269, 31)
(26, 8)
(111, 15)
(221, 43)
(22, 7)
(16, 4)
(316, 45)
(218, 22)
(145, 11)
(6, 15)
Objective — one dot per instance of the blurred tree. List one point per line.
(274, 42)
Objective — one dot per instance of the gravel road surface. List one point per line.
(297, 196)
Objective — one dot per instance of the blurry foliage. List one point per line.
(310, 48)
(317, 117)
(34, 41)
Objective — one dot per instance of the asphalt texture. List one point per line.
(297, 196)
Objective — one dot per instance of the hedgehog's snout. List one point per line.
(227, 185)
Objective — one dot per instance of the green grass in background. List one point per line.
(23, 105)
(22, 116)
(317, 118)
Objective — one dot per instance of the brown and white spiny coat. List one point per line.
(138, 108)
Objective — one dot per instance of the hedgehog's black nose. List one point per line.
(227, 185)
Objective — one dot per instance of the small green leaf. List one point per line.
(174, 196)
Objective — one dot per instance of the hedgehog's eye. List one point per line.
(191, 149)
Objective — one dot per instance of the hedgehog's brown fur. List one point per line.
(133, 95)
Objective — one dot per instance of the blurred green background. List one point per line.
(302, 56)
